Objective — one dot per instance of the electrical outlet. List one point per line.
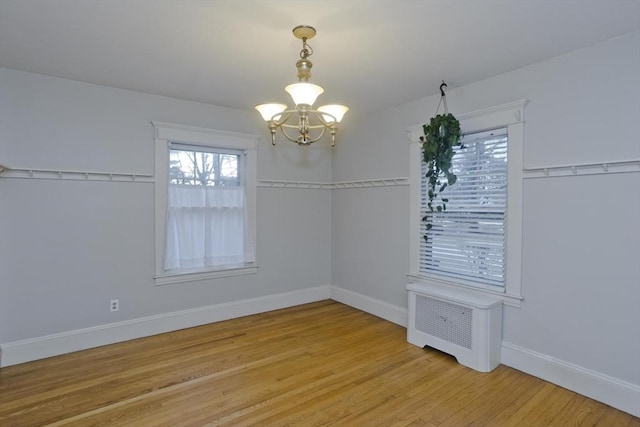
(115, 305)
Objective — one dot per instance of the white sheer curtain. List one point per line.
(207, 228)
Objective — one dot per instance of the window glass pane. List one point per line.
(202, 168)
(467, 241)
(206, 210)
(229, 166)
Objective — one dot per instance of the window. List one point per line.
(476, 244)
(206, 210)
(205, 203)
(467, 241)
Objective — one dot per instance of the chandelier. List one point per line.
(311, 124)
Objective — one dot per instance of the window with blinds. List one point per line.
(467, 241)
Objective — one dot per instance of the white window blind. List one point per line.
(467, 240)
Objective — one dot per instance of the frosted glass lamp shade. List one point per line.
(267, 111)
(335, 110)
(304, 93)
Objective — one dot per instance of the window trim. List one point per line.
(511, 116)
(167, 133)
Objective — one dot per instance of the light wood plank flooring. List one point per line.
(316, 364)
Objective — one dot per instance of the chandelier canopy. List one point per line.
(311, 124)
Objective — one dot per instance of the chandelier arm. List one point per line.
(311, 140)
(320, 116)
(323, 126)
(288, 113)
(284, 117)
(317, 114)
(288, 126)
(286, 135)
(317, 138)
(310, 126)
(324, 129)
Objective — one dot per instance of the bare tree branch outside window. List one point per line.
(202, 168)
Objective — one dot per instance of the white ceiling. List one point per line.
(369, 54)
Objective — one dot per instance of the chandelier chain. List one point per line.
(307, 50)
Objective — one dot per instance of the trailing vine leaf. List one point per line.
(440, 136)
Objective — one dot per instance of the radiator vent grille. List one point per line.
(465, 324)
(450, 322)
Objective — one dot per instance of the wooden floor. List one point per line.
(316, 364)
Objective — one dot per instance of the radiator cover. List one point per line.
(458, 322)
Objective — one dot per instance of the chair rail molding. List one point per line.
(365, 183)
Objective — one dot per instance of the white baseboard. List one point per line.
(611, 391)
(16, 352)
(603, 388)
(390, 312)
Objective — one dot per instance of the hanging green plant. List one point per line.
(440, 136)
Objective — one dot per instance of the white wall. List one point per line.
(581, 237)
(68, 247)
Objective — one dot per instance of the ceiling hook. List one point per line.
(441, 88)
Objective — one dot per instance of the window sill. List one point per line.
(170, 279)
(508, 299)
